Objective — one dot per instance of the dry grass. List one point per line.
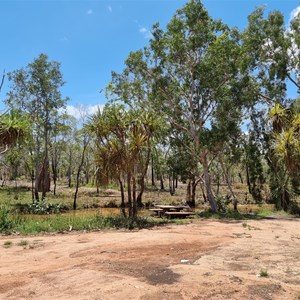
(110, 197)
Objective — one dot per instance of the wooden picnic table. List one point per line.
(172, 207)
(178, 214)
(171, 210)
(158, 211)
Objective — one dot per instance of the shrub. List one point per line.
(229, 214)
(111, 204)
(6, 221)
(221, 204)
(124, 222)
(294, 208)
(263, 273)
(23, 243)
(7, 244)
(45, 208)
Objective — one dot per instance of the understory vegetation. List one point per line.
(18, 215)
(204, 115)
(16, 223)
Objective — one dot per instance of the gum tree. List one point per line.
(193, 70)
(36, 91)
(272, 54)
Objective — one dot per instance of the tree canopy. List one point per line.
(202, 102)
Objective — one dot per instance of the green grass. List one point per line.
(265, 212)
(6, 222)
(23, 243)
(62, 223)
(256, 213)
(14, 203)
(263, 273)
(20, 197)
(7, 244)
(230, 214)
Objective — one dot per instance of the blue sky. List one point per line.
(92, 38)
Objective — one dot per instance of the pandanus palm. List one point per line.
(12, 128)
(286, 142)
(285, 153)
(122, 137)
(278, 116)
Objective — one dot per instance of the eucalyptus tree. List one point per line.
(83, 139)
(36, 91)
(272, 54)
(69, 147)
(183, 165)
(253, 162)
(228, 152)
(193, 70)
(58, 143)
(159, 161)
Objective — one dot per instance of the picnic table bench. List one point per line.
(178, 214)
(172, 211)
(158, 211)
(172, 207)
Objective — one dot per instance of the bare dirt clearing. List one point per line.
(203, 260)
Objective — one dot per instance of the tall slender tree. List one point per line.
(193, 70)
(271, 52)
(36, 91)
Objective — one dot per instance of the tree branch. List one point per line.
(2, 80)
(269, 100)
(293, 81)
(5, 150)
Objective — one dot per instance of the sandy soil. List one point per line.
(203, 260)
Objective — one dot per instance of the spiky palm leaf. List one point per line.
(12, 128)
(278, 116)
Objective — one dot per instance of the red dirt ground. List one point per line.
(202, 260)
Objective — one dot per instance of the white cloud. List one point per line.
(109, 8)
(89, 12)
(295, 12)
(147, 33)
(143, 29)
(294, 49)
(80, 111)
